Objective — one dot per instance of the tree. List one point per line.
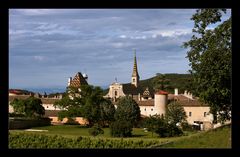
(161, 126)
(152, 123)
(127, 110)
(88, 102)
(175, 113)
(31, 107)
(107, 111)
(210, 58)
(121, 128)
(161, 82)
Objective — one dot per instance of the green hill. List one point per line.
(176, 81)
(217, 138)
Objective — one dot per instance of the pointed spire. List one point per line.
(135, 71)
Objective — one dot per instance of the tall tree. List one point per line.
(175, 113)
(210, 57)
(31, 107)
(161, 82)
(88, 102)
(127, 110)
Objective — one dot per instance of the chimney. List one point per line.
(176, 91)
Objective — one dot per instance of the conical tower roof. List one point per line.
(135, 71)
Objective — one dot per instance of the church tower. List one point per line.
(135, 76)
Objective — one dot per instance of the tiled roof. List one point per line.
(78, 80)
(23, 97)
(130, 89)
(146, 103)
(162, 92)
(11, 98)
(51, 113)
(48, 100)
(184, 101)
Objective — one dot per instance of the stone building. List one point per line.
(151, 102)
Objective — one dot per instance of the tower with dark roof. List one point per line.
(135, 76)
(77, 81)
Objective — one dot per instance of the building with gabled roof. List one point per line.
(77, 81)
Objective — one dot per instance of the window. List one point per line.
(47, 106)
(145, 109)
(115, 93)
(205, 114)
(151, 109)
(190, 114)
(133, 80)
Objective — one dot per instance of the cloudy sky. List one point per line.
(47, 46)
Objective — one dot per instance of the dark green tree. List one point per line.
(152, 123)
(88, 102)
(127, 110)
(95, 130)
(161, 82)
(210, 57)
(175, 113)
(107, 111)
(30, 107)
(121, 128)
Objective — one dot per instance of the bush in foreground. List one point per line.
(121, 129)
(95, 130)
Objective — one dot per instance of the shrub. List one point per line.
(187, 127)
(95, 130)
(121, 128)
(168, 130)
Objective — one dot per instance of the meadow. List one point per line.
(74, 136)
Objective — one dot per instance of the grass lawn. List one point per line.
(76, 130)
(219, 138)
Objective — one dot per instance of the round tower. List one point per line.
(160, 102)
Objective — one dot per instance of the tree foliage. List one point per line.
(210, 57)
(175, 113)
(161, 126)
(152, 123)
(161, 82)
(121, 128)
(31, 107)
(95, 130)
(127, 110)
(88, 102)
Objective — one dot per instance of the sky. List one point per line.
(47, 46)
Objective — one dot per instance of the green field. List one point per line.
(220, 138)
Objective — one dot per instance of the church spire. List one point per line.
(135, 76)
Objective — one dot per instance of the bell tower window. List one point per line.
(115, 93)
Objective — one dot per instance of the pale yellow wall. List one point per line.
(115, 87)
(80, 120)
(148, 110)
(198, 114)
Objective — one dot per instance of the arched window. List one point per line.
(115, 93)
(133, 80)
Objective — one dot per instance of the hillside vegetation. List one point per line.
(179, 81)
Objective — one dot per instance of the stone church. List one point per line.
(151, 102)
(135, 89)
